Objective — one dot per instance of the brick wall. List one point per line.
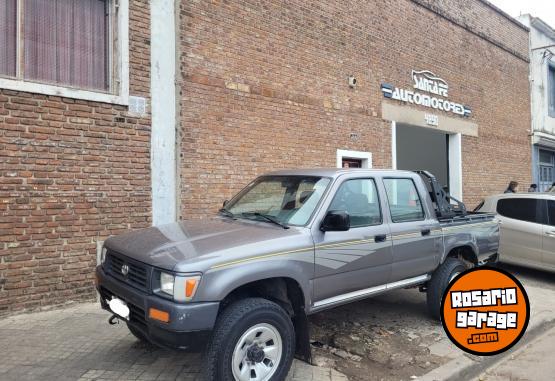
(71, 173)
(264, 87)
(484, 19)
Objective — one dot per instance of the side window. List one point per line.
(404, 201)
(551, 213)
(522, 209)
(359, 198)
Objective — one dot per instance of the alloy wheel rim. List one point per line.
(257, 354)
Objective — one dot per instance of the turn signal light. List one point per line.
(190, 286)
(162, 316)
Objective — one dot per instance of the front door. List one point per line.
(417, 240)
(549, 236)
(357, 259)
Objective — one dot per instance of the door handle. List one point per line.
(551, 234)
(426, 232)
(380, 238)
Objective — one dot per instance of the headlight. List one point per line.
(181, 288)
(103, 255)
(166, 283)
(185, 288)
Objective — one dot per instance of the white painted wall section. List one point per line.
(163, 92)
(393, 145)
(455, 166)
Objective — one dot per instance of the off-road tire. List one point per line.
(232, 323)
(138, 334)
(440, 281)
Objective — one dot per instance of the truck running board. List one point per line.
(371, 291)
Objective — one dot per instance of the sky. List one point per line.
(544, 9)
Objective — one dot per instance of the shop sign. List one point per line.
(429, 91)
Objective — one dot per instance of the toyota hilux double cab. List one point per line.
(241, 284)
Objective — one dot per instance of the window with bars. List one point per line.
(57, 42)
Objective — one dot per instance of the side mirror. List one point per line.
(336, 221)
(225, 203)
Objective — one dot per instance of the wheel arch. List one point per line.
(286, 292)
(466, 252)
(218, 284)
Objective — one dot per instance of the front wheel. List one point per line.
(254, 339)
(441, 278)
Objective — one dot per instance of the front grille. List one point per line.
(136, 314)
(137, 274)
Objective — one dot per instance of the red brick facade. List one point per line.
(265, 87)
(71, 173)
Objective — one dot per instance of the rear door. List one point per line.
(549, 235)
(521, 221)
(417, 239)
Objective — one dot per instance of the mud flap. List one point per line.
(303, 350)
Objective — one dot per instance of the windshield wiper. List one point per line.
(267, 217)
(227, 213)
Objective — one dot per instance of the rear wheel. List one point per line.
(254, 339)
(441, 278)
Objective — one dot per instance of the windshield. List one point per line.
(289, 200)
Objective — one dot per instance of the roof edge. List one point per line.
(505, 14)
(542, 26)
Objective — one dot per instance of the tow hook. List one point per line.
(113, 320)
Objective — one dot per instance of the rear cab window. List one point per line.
(405, 204)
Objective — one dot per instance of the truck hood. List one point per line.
(195, 245)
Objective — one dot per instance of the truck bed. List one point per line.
(469, 218)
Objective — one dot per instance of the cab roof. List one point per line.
(336, 172)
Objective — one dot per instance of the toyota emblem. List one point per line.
(124, 269)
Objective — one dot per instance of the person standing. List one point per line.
(552, 189)
(512, 188)
(533, 188)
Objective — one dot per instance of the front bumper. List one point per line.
(189, 326)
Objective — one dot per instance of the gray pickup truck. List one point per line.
(292, 243)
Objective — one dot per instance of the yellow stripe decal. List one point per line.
(261, 257)
(341, 244)
(348, 243)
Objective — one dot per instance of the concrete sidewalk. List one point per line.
(531, 363)
(463, 366)
(76, 343)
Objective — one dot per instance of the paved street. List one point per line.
(77, 343)
(530, 363)
(389, 337)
